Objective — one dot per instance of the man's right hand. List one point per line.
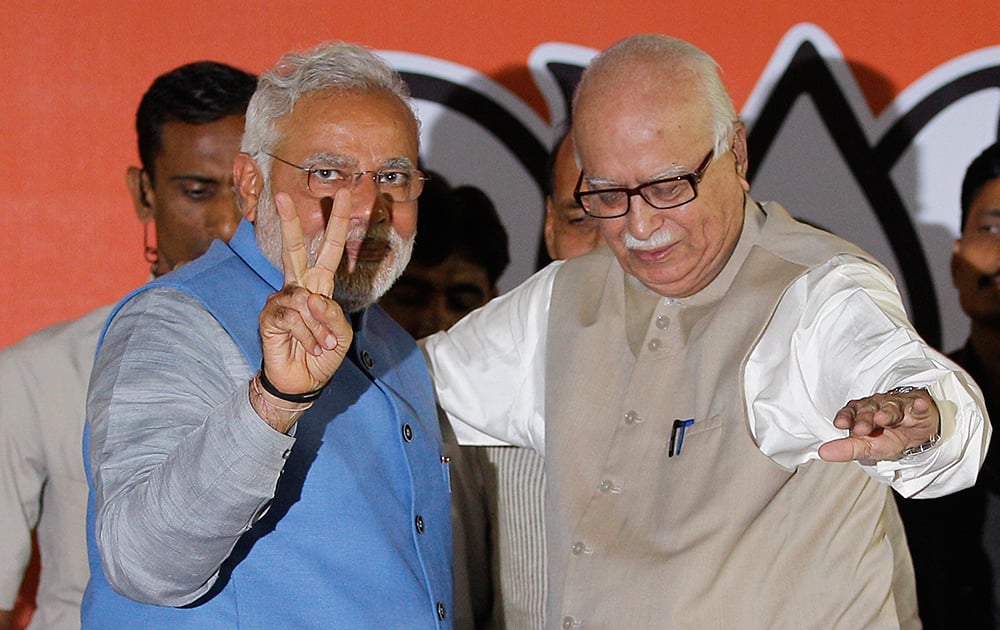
(304, 333)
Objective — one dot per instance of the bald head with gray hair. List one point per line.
(336, 66)
(660, 58)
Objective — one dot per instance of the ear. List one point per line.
(956, 260)
(143, 197)
(550, 227)
(248, 181)
(740, 151)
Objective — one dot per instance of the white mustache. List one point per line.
(659, 238)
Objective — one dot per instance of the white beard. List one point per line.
(353, 291)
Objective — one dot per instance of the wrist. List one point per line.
(269, 387)
(922, 448)
(276, 412)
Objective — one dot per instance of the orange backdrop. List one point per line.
(73, 72)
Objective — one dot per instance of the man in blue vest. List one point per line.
(263, 445)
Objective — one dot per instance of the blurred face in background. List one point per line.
(427, 299)
(975, 261)
(569, 232)
(190, 196)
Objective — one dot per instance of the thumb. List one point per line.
(843, 450)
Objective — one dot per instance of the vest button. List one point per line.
(568, 623)
(579, 548)
(367, 359)
(662, 322)
(631, 417)
(407, 432)
(442, 613)
(654, 344)
(609, 486)
(419, 524)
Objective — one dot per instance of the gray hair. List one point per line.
(635, 56)
(332, 66)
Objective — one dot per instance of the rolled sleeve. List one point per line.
(841, 333)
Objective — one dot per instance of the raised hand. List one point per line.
(882, 426)
(304, 333)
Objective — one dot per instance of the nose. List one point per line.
(368, 204)
(222, 219)
(437, 316)
(642, 220)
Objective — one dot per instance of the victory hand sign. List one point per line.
(304, 333)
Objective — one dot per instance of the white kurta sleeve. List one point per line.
(489, 368)
(840, 333)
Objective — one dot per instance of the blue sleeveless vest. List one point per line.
(339, 546)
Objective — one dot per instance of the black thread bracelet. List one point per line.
(305, 397)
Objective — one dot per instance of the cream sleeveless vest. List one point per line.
(648, 528)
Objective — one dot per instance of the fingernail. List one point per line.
(331, 342)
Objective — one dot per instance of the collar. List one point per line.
(641, 302)
(244, 244)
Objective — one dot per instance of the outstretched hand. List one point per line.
(882, 426)
(304, 333)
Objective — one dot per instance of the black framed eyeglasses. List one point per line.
(664, 193)
(399, 184)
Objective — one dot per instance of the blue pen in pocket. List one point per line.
(677, 436)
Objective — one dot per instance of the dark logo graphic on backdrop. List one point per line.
(889, 184)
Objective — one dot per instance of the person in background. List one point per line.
(458, 257)
(262, 442)
(697, 385)
(569, 231)
(189, 124)
(959, 588)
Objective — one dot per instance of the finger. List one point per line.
(864, 449)
(291, 313)
(338, 330)
(844, 450)
(922, 409)
(334, 241)
(920, 422)
(888, 415)
(844, 418)
(285, 325)
(856, 418)
(294, 255)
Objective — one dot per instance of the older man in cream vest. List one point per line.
(723, 395)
